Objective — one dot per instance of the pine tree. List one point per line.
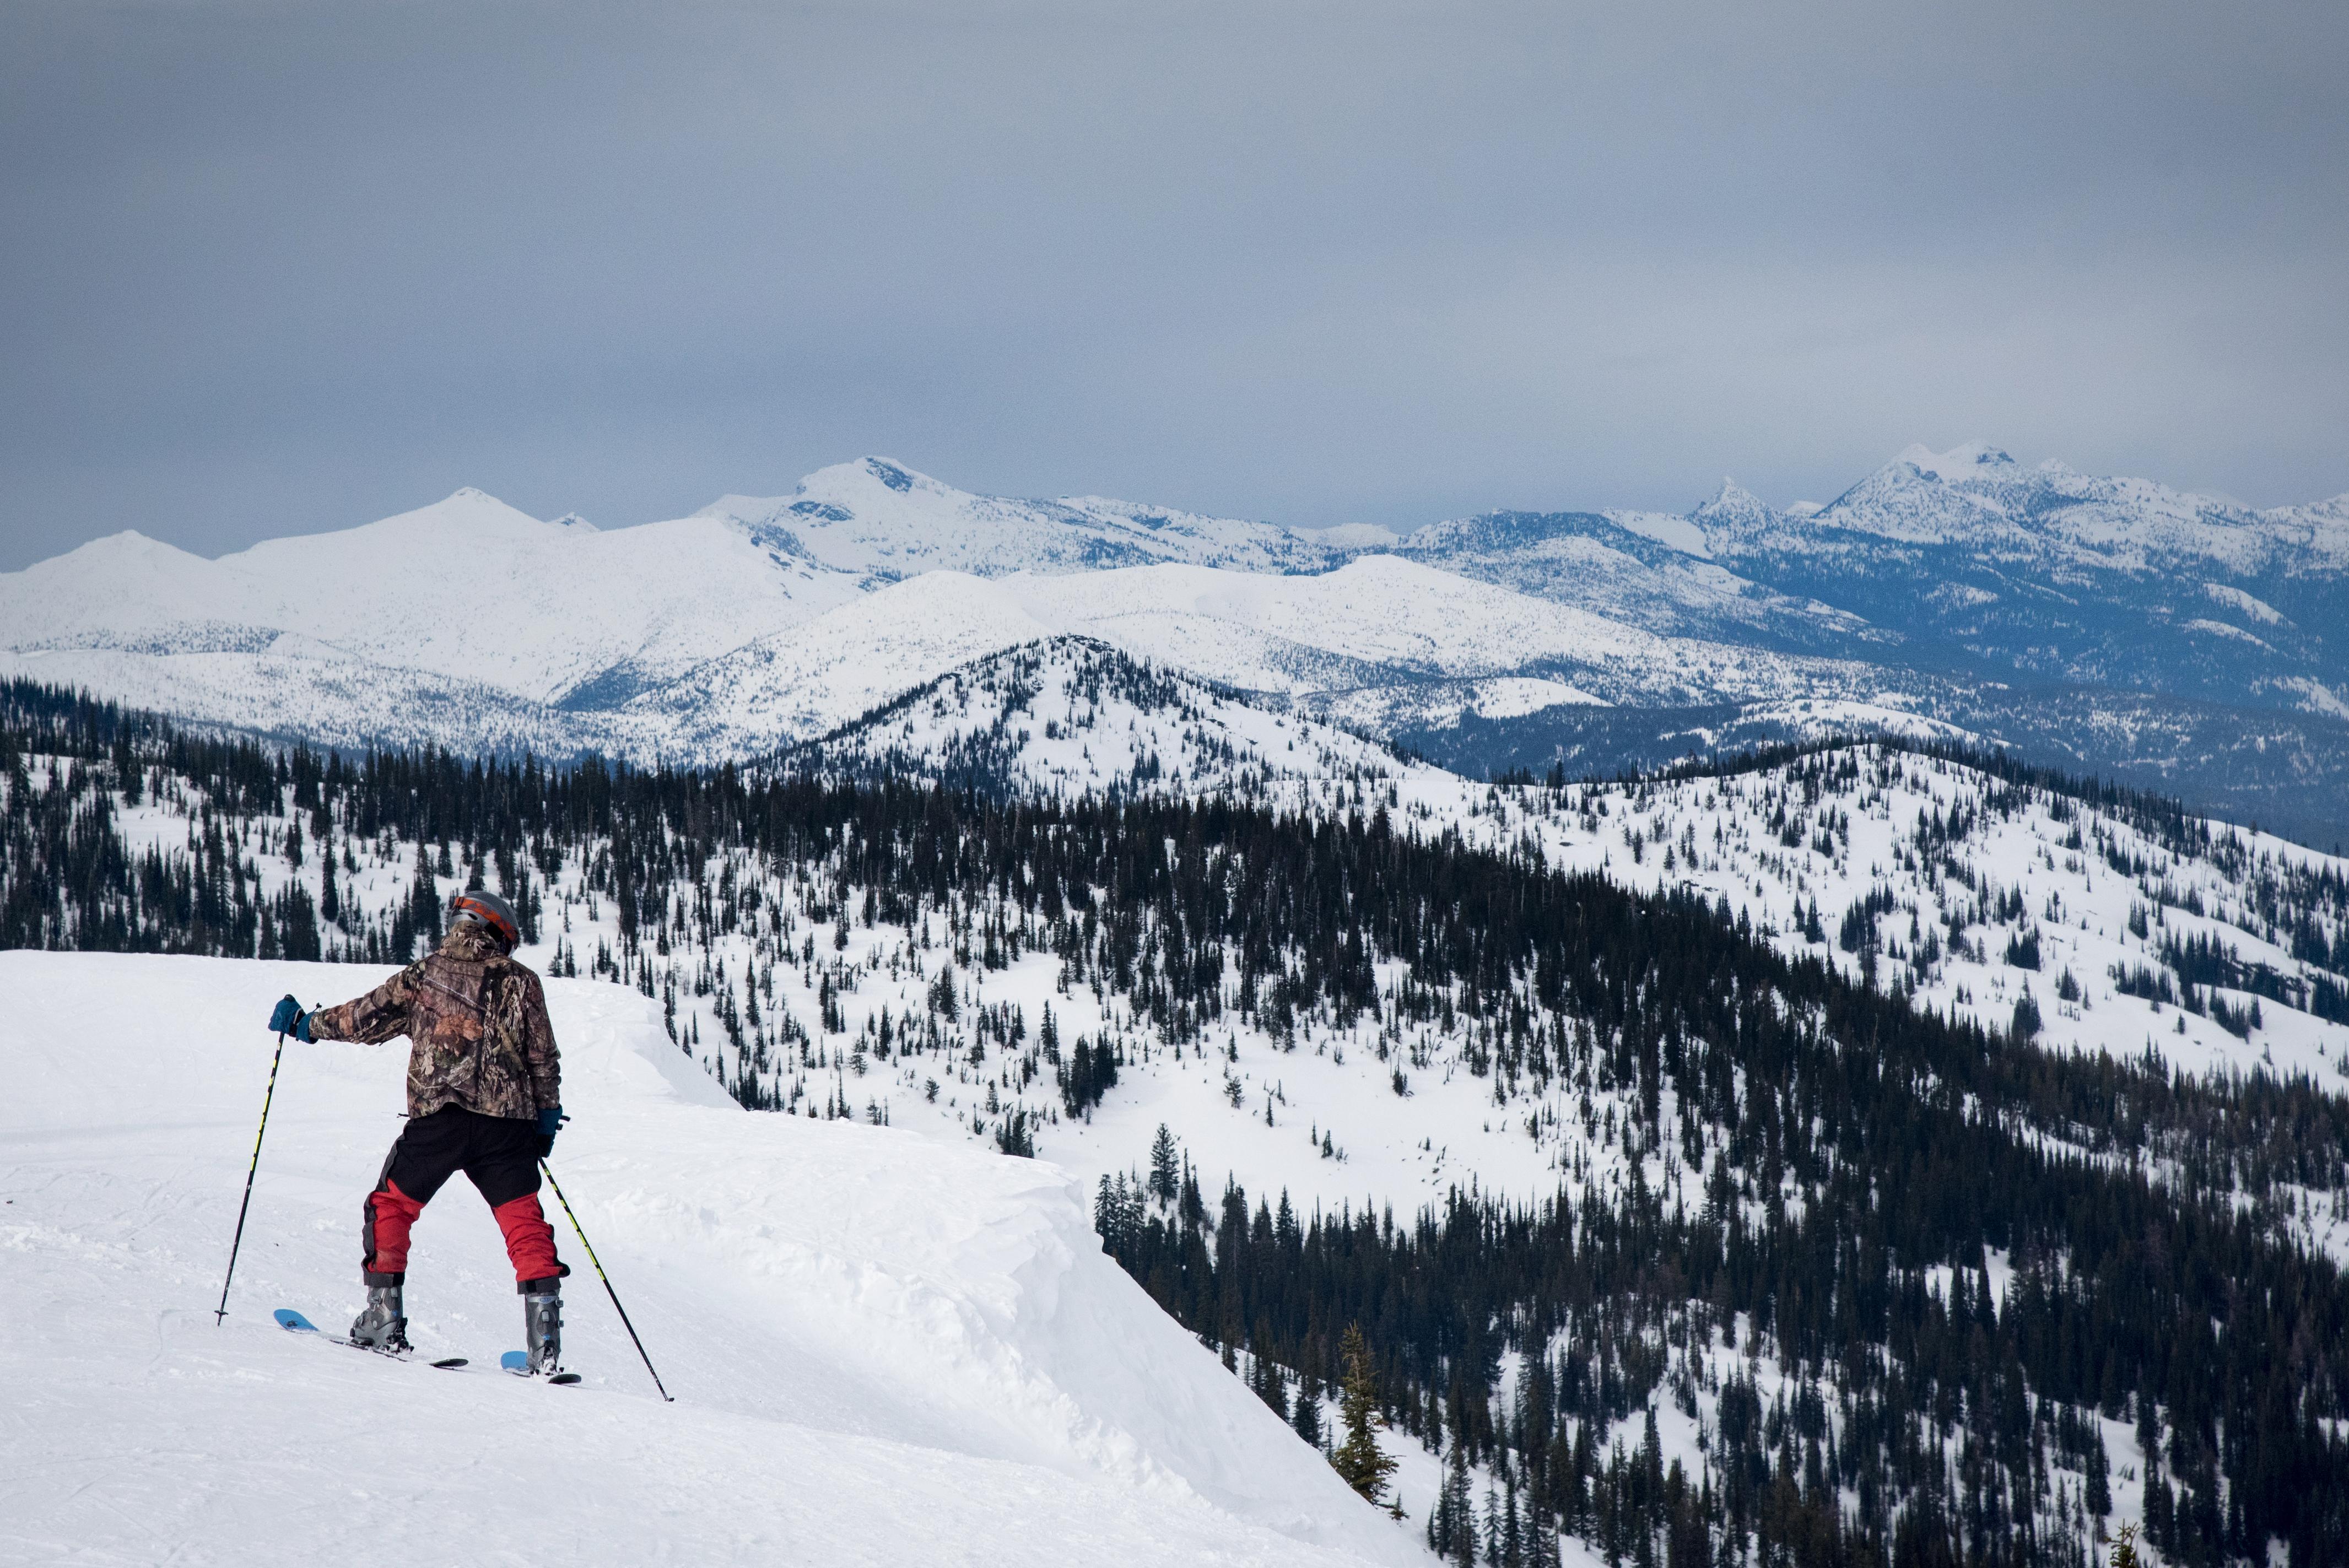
(1163, 1172)
(1306, 1419)
(1271, 1386)
(1462, 1507)
(1358, 1459)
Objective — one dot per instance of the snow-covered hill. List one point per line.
(2130, 928)
(885, 1348)
(1068, 716)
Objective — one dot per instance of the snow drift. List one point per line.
(883, 1348)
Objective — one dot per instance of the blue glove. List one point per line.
(550, 1122)
(289, 1019)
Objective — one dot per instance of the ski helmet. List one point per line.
(491, 910)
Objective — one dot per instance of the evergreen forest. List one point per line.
(1880, 1285)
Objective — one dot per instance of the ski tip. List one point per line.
(288, 1318)
(451, 1361)
(564, 1379)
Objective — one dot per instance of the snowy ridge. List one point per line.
(1387, 621)
(949, 1368)
(1953, 586)
(1651, 569)
(468, 590)
(731, 633)
(2050, 573)
(1973, 892)
(885, 522)
(1371, 642)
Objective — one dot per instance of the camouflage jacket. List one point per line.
(476, 1021)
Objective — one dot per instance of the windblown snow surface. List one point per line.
(883, 1348)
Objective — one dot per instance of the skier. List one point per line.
(483, 1097)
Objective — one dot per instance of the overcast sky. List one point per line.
(277, 269)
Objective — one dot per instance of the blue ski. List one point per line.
(518, 1363)
(288, 1318)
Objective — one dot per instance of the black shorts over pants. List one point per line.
(499, 1154)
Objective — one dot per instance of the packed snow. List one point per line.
(884, 1347)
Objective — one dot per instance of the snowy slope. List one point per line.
(812, 678)
(1966, 868)
(884, 522)
(883, 1348)
(1651, 569)
(297, 687)
(467, 589)
(1965, 889)
(1378, 642)
(1073, 716)
(1361, 1115)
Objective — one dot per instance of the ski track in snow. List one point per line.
(885, 1348)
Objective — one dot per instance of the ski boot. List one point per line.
(542, 1322)
(384, 1325)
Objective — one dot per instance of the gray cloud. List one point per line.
(274, 269)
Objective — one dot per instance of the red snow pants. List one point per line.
(499, 1154)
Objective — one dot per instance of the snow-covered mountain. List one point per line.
(1653, 570)
(2046, 573)
(730, 633)
(2102, 624)
(468, 590)
(886, 1347)
(1967, 563)
(883, 523)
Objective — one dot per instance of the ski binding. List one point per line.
(288, 1318)
(518, 1363)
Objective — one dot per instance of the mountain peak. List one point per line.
(864, 474)
(1732, 496)
(475, 510)
(1957, 463)
(1733, 511)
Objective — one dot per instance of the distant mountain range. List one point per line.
(2112, 625)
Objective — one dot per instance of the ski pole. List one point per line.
(272, 1093)
(615, 1294)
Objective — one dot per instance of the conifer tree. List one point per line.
(1163, 1171)
(1358, 1459)
(1306, 1418)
